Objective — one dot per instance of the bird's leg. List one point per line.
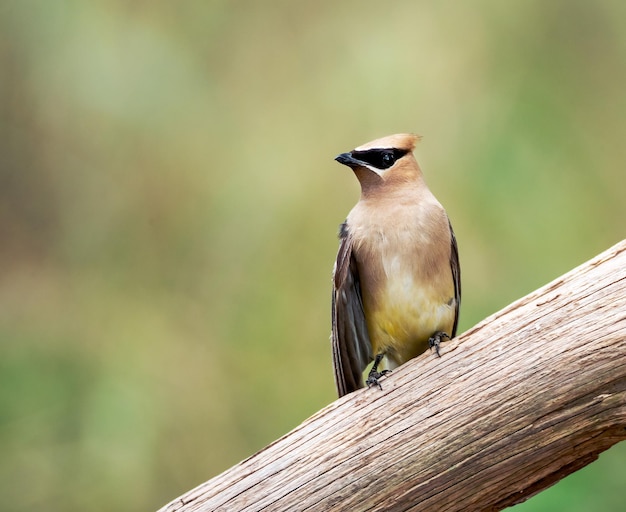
(436, 339)
(374, 375)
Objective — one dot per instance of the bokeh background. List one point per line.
(169, 206)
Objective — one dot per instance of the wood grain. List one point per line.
(521, 400)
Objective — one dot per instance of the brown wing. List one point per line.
(352, 350)
(456, 275)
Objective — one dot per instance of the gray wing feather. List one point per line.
(456, 275)
(352, 350)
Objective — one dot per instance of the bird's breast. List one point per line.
(408, 292)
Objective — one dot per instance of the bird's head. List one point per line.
(383, 161)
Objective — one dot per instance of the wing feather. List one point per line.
(456, 276)
(351, 345)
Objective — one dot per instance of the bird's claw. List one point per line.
(373, 379)
(436, 339)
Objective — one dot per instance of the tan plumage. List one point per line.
(396, 282)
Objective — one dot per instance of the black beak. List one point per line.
(349, 160)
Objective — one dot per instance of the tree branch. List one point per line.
(524, 398)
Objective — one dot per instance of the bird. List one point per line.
(397, 278)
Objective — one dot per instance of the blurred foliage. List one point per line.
(169, 206)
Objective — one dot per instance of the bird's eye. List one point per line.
(388, 159)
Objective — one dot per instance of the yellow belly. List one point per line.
(405, 317)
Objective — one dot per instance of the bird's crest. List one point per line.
(405, 141)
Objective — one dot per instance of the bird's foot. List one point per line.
(373, 378)
(436, 339)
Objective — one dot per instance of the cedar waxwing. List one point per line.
(397, 280)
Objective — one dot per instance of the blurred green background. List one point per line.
(169, 207)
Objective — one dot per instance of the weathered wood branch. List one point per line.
(526, 397)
